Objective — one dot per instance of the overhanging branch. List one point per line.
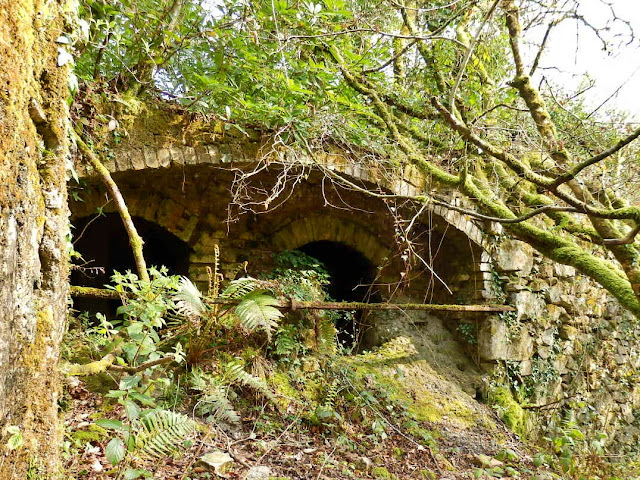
(595, 159)
(134, 239)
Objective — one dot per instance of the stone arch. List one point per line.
(104, 244)
(148, 205)
(176, 218)
(408, 182)
(352, 278)
(316, 228)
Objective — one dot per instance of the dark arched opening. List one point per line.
(352, 276)
(104, 246)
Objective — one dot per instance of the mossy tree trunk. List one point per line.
(33, 227)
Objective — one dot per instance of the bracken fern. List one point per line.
(162, 432)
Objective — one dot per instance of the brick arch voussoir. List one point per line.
(410, 182)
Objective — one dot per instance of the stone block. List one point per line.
(202, 154)
(538, 285)
(567, 332)
(137, 159)
(544, 351)
(189, 154)
(494, 228)
(484, 267)
(150, 158)
(163, 157)
(563, 270)
(122, 162)
(177, 157)
(187, 228)
(496, 343)
(529, 305)
(514, 256)
(547, 337)
(439, 210)
(225, 153)
(553, 294)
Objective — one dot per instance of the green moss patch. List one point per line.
(511, 412)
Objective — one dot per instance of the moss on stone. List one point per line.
(93, 433)
(511, 412)
(381, 473)
(285, 392)
(427, 474)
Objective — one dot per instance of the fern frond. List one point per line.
(214, 402)
(240, 287)
(162, 432)
(234, 372)
(216, 406)
(327, 336)
(256, 311)
(189, 299)
(286, 342)
(331, 395)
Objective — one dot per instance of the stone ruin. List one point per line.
(568, 336)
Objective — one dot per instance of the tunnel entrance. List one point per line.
(351, 276)
(104, 245)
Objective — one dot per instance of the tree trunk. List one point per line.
(33, 227)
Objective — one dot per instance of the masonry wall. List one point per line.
(571, 352)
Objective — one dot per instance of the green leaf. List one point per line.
(116, 394)
(111, 424)
(129, 382)
(145, 400)
(15, 440)
(135, 328)
(132, 474)
(115, 450)
(132, 409)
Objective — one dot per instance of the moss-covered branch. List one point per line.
(135, 241)
(291, 304)
(107, 363)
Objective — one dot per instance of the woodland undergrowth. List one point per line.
(174, 371)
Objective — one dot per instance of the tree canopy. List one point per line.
(452, 87)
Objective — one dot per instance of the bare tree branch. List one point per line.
(595, 159)
(627, 240)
